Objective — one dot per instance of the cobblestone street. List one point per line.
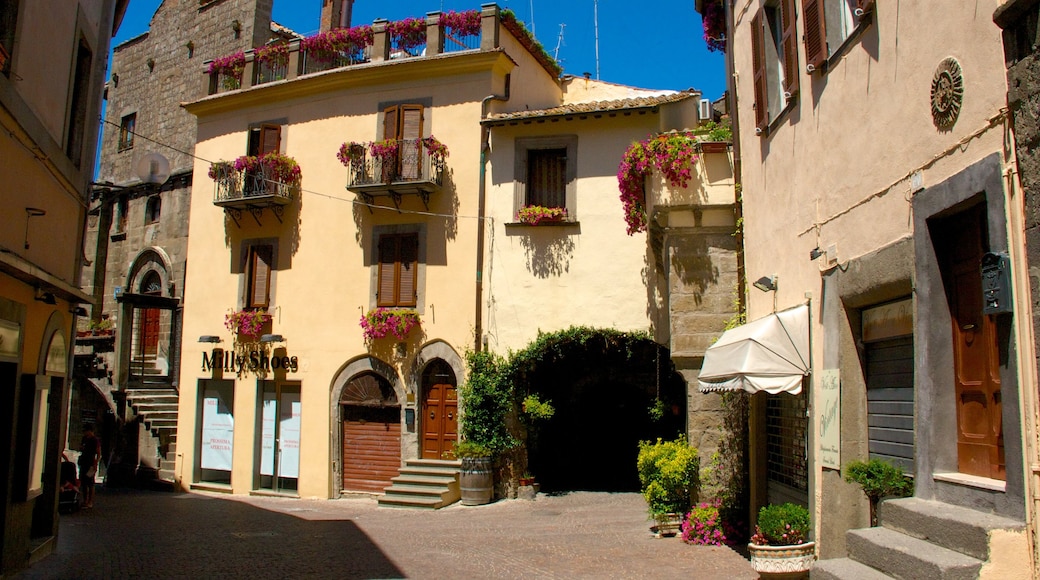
(136, 534)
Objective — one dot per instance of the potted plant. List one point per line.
(780, 547)
(386, 152)
(715, 137)
(703, 525)
(879, 479)
(536, 214)
(669, 480)
(247, 324)
(382, 322)
(476, 482)
(230, 69)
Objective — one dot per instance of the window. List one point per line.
(126, 131)
(264, 139)
(80, 100)
(258, 287)
(546, 171)
(122, 209)
(404, 123)
(8, 20)
(775, 57)
(398, 270)
(152, 209)
(828, 24)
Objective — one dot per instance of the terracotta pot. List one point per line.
(783, 561)
(714, 146)
(668, 525)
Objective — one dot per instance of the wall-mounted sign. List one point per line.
(255, 361)
(888, 320)
(830, 418)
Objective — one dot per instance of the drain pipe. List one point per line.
(485, 144)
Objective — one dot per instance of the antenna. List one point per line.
(532, 20)
(595, 21)
(559, 43)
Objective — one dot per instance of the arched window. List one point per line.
(151, 284)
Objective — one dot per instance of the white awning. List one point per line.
(770, 354)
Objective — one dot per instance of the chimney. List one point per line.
(335, 14)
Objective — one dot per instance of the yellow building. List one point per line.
(52, 66)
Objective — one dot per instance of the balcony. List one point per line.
(253, 190)
(407, 167)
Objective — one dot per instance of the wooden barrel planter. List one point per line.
(476, 481)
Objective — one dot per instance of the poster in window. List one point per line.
(289, 431)
(218, 430)
(270, 408)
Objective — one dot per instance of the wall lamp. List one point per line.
(45, 297)
(78, 311)
(209, 338)
(816, 253)
(272, 338)
(766, 283)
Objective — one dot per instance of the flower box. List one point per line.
(714, 147)
(247, 325)
(534, 215)
(383, 322)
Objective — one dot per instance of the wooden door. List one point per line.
(149, 331)
(440, 420)
(980, 438)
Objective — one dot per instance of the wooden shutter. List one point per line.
(789, 43)
(815, 33)
(408, 262)
(390, 124)
(547, 178)
(259, 276)
(270, 139)
(411, 131)
(386, 292)
(758, 57)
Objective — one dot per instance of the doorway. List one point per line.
(279, 464)
(440, 410)
(371, 429)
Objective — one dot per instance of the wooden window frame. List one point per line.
(817, 49)
(785, 61)
(521, 171)
(263, 139)
(127, 128)
(255, 257)
(152, 209)
(396, 251)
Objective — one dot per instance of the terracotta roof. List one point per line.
(591, 107)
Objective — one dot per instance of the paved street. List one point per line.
(138, 534)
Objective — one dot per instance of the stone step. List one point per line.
(417, 490)
(152, 400)
(165, 475)
(845, 569)
(903, 556)
(957, 528)
(154, 407)
(411, 501)
(167, 464)
(425, 480)
(161, 423)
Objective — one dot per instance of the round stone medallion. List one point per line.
(947, 94)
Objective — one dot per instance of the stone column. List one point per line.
(295, 61)
(434, 34)
(488, 26)
(248, 73)
(380, 41)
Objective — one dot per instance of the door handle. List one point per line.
(431, 414)
(968, 327)
(450, 416)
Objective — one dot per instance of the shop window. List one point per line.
(828, 25)
(546, 171)
(216, 430)
(279, 426)
(126, 131)
(258, 276)
(398, 270)
(787, 436)
(774, 49)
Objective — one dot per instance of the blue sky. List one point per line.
(657, 47)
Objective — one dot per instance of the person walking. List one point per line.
(90, 454)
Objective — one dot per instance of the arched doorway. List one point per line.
(370, 415)
(439, 415)
(148, 328)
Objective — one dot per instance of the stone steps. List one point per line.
(895, 553)
(424, 484)
(845, 569)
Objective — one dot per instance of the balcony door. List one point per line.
(404, 123)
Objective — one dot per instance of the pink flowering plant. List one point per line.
(330, 45)
(351, 154)
(465, 23)
(537, 214)
(714, 23)
(383, 322)
(221, 170)
(782, 525)
(247, 323)
(230, 69)
(703, 526)
(275, 54)
(385, 150)
(408, 34)
(673, 154)
(279, 167)
(438, 151)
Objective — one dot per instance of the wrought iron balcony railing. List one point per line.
(409, 168)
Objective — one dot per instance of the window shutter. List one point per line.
(815, 33)
(407, 266)
(270, 139)
(411, 131)
(789, 41)
(759, 63)
(260, 276)
(411, 121)
(386, 291)
(390, 123)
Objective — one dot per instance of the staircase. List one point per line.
(924, 539)
(424, 484)
(155, 402)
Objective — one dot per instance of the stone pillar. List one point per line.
(209, 82)
(248, 73)
(488, 26)
(295, 62)
(380, 41)
(434, 34)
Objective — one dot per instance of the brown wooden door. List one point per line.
(150, 331)
(980, 439)
(440, 420)
(371, 447)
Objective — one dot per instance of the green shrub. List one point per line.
(668, 475)
(782, 525)
(485, 400)
(879, 479)
(463, 449)
(538, 409)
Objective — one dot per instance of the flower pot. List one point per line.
(782, 562)
(668, 525)
(476, 481)
(714, 146)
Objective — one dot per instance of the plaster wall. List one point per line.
(531, 86)
(324, 257)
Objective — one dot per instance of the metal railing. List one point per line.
(243, 185)
(412, 162)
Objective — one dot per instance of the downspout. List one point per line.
(738, 208)
(485, 144)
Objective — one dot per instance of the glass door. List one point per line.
(279, 464)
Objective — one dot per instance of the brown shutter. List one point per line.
(759, 63)
(270, 139)
(408, 266)
(390, 124)
(789, 42)
(815, 33)
(411, 131)
(259, 276)
(386, 291)
(411, 121)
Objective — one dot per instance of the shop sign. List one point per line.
(888, 321)
(830, 421)
(256, 361)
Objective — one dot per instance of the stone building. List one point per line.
(53, 55)
(138, 226)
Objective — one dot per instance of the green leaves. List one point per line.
(668, 475)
